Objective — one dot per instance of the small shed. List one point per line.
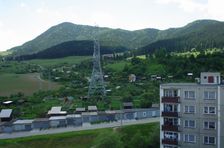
(58, 121)
(92, 108)
(6, 115)
(74, 120)
(6, 127)
(128, 114)
(56, 111)
(89, 117)
(108, 115)
(127, 105)
(41, 123)
(22, 125)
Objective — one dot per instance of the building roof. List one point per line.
(23, 121)
(40, 119)
(56, 110)
(89, 113)
(127, 104)
(7, 102)
(80, 109)
(110, 112)
(155, 105)
(73, 116)
(188, 84)
(179, 84)
(5, 113)
(92, 108)
(57, 118)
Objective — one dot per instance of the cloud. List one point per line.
(22, 4)
(186, 5)
(1, 24)
(215, 9)
(212, 9)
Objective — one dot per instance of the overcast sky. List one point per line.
(23, 20)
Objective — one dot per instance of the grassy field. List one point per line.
(26, 83)
(117, 66)
(51, 62)
(81, 139)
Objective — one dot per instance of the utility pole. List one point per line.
(96, 86)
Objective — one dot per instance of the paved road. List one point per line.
(69, 129)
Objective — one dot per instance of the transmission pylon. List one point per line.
(96, 86)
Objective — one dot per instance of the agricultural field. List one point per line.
(67, 60)
(27, 83)
(147, 136)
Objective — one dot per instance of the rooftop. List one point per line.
(80, 109)
(92, 108)
(5, 113)
(89, 113)
(73, 116)
(57, 118)
(127, 104)
(7, 102)
(23, 121)
(56, 110)
(40, 119)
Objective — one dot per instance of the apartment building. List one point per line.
(192, 113)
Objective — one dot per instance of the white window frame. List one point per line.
(208, 96)
(208, 123)
(208, 143)
(188, 124)
(187, 95)
(187, 111)
(209, 109)
(187, 138)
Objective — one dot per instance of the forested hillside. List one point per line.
(199, 34)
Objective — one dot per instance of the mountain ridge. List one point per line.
(136, 39)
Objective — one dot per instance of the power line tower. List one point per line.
(96, 86)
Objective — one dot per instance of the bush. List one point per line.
(108, 140)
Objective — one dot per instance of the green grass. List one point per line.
(5, 53)
(117, 66)
(80, 139)
(68, 60)
(27, 83)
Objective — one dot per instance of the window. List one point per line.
(171, 121)
(209, 110)
(171, 135)
(209, 125)
(189, 138)
(189, 123)
(170, 108)
(170, 93)
(209, 140)
(189, 109)
(144, 114)
(189, 95)
(209, 95)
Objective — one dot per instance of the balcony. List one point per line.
(170, 99)
(170, 141)
(174, 128)
(169, 114)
